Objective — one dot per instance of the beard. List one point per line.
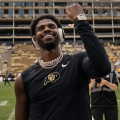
(49, 46)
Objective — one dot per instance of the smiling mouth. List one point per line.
(48, 35)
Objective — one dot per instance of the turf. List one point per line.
(7, 94)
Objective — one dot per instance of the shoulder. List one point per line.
(18, 84)
(113, 71)
(18, 79)
(75, 57)
(80, 54)
(29, 70)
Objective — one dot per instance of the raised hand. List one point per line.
(73, 11)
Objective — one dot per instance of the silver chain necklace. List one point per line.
(50, 64)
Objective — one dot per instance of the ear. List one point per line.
(35, 39)
(35, 42)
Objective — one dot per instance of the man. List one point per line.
(103, 97)
(6, 78)
(56, 87)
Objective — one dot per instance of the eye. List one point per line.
(40, 28)
(52, 26)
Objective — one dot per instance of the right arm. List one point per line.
(21, 107)
(92, 83)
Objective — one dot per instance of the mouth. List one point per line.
(48, 36)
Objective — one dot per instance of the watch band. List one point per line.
(79, 17)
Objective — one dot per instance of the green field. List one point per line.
(7, 101)
(7, 95)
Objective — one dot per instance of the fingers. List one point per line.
(72, 8)
(99, 84)
(102, 79)
(73, 11)
(92, 80)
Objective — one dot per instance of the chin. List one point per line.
(49, 40)
(49, 44)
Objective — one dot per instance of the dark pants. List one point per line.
(109, 113)
(7, 82)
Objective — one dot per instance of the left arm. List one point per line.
(96, 57)
(110, 85)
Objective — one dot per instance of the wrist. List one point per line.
(105, 82)
(79, 17)
(92, 83)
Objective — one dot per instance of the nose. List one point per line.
(47, 29)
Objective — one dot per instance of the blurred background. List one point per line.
(17, 52)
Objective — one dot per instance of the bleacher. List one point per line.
(71, 48)
(3, 58)
(21, 56)
(113, 53)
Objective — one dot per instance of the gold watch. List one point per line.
(79, 17)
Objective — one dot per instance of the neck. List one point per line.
(47, 56)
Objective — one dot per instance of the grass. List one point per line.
(7, 94)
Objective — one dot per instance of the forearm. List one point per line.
(90, 86)
(95, 50)
(110, 85)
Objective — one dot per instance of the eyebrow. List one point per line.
(47, 24)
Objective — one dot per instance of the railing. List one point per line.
(22, 25)
(6, 34)
(104, 33)
(103, 24)
(117, 33)
(82, 0)
(15, 0)
(106, 0)
(55, 0)
(117, 25)
(6, 25)
(21, 34)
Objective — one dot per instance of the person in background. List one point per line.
(6, 78)
(56, 87)
(103, 97)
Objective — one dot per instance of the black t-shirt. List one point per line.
(61, 93)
